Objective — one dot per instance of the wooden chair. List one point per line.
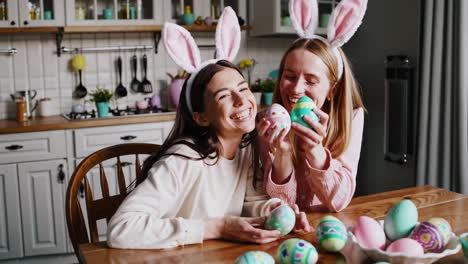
(101, 208)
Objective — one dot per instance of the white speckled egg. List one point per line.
(369, 233)
(282, 218)
(401, 220)
(331, 233)
(297, 251)
(255, 257)
(278, 116)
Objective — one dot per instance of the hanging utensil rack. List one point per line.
(120, 48)
(9, 51)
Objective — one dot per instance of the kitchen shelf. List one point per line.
(155, 28)
(29, 30)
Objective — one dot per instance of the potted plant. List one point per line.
(267, 87)
(248, 65)
(102, 97)
(256, 91)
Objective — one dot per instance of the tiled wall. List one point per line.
(37, 67)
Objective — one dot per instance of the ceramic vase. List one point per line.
(175, 87)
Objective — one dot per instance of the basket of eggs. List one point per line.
(400, 238)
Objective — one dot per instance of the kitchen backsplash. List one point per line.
(37, 67)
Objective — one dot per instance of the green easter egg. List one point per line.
(297, 251)
(303, 107)
(255, 257)
(331, 233)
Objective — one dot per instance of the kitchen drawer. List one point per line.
(34, 146)
(89, 140)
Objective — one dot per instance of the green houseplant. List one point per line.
(102, 97)
(267, 87)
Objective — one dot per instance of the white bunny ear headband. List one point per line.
(184, 51)
(344, 21)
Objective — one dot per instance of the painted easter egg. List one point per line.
(303, 107)
(400, 220)
(331, 233)
(428, 236)
(369, 233)
(406, 246)
(278, 116)
(282, 218)
(255, 257)
(443, 226)
(297, 251)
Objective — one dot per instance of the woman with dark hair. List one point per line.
(200, 185)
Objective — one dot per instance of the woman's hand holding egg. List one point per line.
(273, 127)
(245, 229)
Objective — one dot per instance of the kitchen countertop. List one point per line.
(9, 126)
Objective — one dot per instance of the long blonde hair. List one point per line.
(344, 98)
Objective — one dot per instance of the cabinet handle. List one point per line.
(12, 23)
(25, 22)
(129, 137)
(61, 174)
(14, 147)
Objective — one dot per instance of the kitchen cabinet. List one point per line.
(114, 12)
(10, 218)
(42, 188)
(31, 13)
(271, 17)
(204, 8)
(35, 169)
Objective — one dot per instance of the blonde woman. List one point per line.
(316, 167)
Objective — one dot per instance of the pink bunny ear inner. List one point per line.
(181, 46)
(228, 35)
(346, 19)
(304, 16)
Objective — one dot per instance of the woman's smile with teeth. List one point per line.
(241, 115)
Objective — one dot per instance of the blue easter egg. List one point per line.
(255, 257)
(303, 107)
(297, 251)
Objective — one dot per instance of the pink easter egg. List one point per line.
(407, 246)
(279, 116)
(369, 233)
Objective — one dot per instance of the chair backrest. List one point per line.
(106, 206)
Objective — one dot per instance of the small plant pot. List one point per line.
(102, 109)
(188, 19)
(267, 98)
(258, 97)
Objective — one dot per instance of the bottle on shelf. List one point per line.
(3, 9)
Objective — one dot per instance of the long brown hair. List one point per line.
(344, 97)
(204, 139)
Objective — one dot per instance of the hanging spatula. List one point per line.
(120, 91)
(135, 83)
(145, 86)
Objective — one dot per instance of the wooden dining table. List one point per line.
(430, 201)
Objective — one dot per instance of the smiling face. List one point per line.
(229, 105)
(304, 74)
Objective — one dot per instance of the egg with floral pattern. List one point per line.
(331, 233)
(297, 251)
(433, 234)
(255, 257)
(443, 226)
(282, 218)
(278, 116)
(303, 107)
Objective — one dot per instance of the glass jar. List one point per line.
(3, 15)
(80, 13)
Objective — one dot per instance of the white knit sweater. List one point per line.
(168, 208)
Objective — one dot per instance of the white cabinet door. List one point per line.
(42, 190)
(112, 12)
(41, 13)
(9, 14)
(10, 219)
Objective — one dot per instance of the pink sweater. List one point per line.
(329, 189)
